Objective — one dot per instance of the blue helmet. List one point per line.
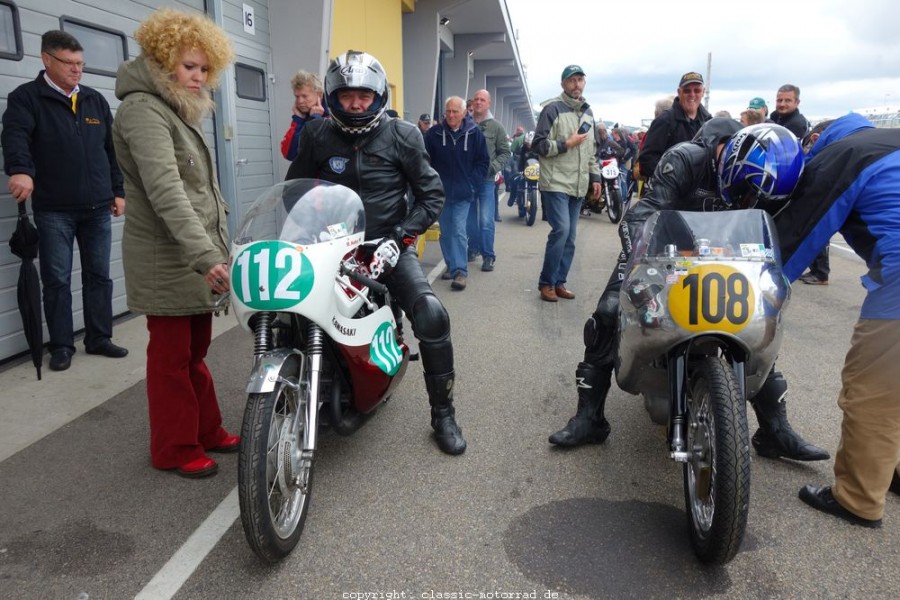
(760, 164)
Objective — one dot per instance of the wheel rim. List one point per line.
(702, 464)
(287, 477)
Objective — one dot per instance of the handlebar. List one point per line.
(378, 288)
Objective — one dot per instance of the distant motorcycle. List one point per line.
(700, 328)
(610, 194)
(527, 193)
(328, 346)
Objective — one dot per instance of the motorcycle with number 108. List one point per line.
(699, 330)
(328, 346)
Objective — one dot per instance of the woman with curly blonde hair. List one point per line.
(174, 243)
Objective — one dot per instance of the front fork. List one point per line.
(678, 389)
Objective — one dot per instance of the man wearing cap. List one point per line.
(563, 141)
(424, 122)
(760, 105)
(677, 124)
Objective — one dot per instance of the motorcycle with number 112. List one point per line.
(328, 345)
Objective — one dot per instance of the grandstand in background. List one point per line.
(882, 116)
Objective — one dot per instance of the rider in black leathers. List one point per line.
(381, 158)
(685, 179)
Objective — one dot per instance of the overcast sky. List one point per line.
(843, 55)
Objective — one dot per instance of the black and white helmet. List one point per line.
(356, 71)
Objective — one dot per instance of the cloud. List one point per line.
(842, 56)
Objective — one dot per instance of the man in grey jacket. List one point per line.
(563, 141)
(480, 225)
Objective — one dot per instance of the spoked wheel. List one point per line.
(717, 476)
(531, 202)
(613, 203)
(274, 475)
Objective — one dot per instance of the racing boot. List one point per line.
(440, 396)
(775, 437)
(588, 426)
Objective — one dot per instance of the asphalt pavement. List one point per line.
(84, 516)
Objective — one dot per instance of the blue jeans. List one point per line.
(562, 213)
(58, 231)
(453, 236)
(480, 224)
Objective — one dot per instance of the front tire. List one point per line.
(274, 477)
(531, 202)
(613, 203)
(717, 476)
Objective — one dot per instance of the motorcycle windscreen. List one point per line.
(303, 211)
(736, 234)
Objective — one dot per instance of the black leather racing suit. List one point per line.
(381, 166)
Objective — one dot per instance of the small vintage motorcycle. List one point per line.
(610, 197)
(328, 348)
(528, 191)
(699, 330)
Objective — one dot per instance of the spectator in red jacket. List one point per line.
(307, 105)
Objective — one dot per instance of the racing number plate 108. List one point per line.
(712, 297)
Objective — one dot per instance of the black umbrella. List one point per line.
(24, 244)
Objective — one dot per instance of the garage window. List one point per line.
(10, 31)
(250, 82)
(104, 49)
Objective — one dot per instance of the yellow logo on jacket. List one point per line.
(91, 121)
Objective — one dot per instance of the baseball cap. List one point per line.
(571, 70)
(425, 117)
(757, 103)
(691, 77)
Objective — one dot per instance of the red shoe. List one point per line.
(230, 443)
(200, 467)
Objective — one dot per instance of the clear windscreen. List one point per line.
(748, 234)
(303, 211)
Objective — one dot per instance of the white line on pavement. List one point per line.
(166, 583)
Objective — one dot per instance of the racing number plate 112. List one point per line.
(271, 275)
(712, 297)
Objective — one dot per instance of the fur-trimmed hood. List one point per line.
(143, 74)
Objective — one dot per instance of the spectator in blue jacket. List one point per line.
(58, 150)
(308, 105)
(459, 154)
(851, 184)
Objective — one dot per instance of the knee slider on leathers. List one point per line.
(430, 319)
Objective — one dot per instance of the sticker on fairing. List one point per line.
(272, 275)
(384, 350)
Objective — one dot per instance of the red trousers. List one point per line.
(184, 411)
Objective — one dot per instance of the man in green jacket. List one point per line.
(480, 226)
(563, 140)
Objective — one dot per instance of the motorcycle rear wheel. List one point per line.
(531, 202)
(274, 480)
(613, 203)
(717, 475)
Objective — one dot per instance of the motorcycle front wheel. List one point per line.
(613, 203)
(717, 475)
(531, 202)
(274, 477)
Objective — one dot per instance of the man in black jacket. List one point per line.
(786, 112)
(58, 150)
(381, 159)
(677, 124)
(685, 180)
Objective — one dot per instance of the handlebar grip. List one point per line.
(378, 288)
